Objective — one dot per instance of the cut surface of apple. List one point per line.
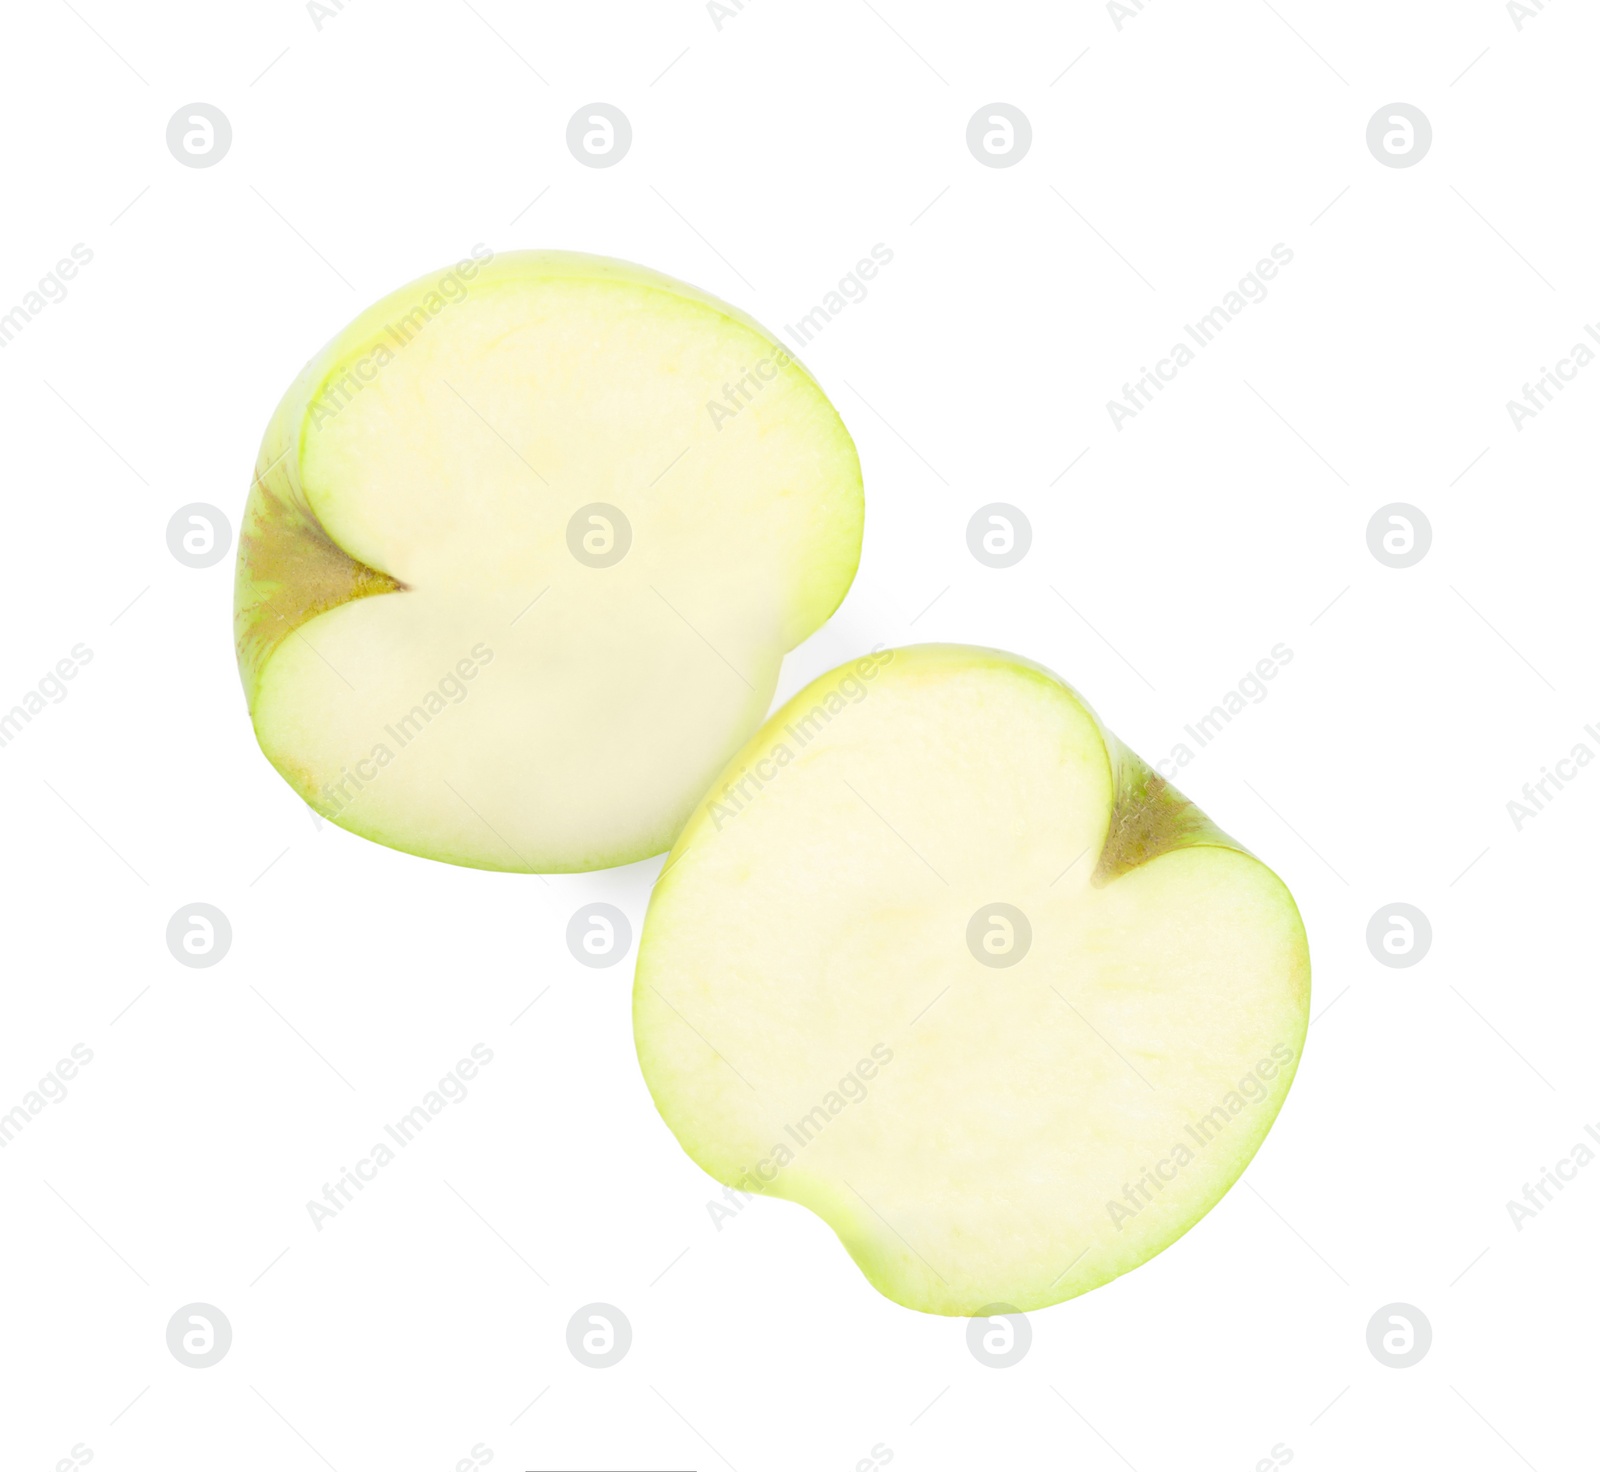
(940, 959)
(525, 547)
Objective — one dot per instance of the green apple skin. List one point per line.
(409, 517)
(813, 1025)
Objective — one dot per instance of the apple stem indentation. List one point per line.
(290, 571)
(1151, 818)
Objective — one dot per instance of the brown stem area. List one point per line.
(1151, 818)
(291, 570)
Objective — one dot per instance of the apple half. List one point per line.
(940, 959)
(526, 545)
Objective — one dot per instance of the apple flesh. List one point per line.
(940, 959)
(526, 545)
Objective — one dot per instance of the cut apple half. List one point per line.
(940, 959)
(525, 548)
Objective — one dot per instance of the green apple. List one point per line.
(940, 959)
(526, 545)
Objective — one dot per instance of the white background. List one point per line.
(1168, 156)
